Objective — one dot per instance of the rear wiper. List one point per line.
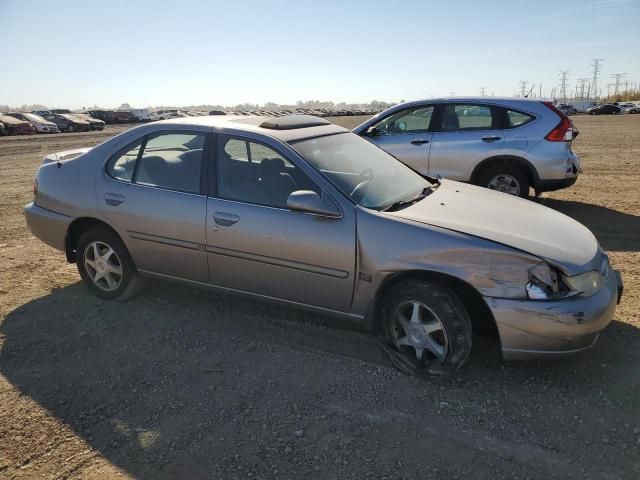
(405, 203)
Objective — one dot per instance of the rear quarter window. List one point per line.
(516, 119)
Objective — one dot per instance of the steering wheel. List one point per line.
(361, 188)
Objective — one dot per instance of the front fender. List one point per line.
(389, 246)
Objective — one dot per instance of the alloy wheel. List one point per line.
(505, 183)
(103, 266)
(417, 327)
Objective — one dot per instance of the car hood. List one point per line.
(512, 221)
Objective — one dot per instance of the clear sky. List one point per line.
(146, 53)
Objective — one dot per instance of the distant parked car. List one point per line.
(94, 123)
(603, 110)
(167, 114)
(140, 114)
(105, 115)
(122, 116)
(567, 109)
(42, 113)
(632, 109)
(69, 123)
(507, 144)
(60, 110)
(13, 126)
(216, 112)
(41, 124)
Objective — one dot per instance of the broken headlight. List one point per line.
(543, 283)
(585, 284)
(547, 283)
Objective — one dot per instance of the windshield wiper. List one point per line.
(405, 203)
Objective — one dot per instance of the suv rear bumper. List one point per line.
(551, 185)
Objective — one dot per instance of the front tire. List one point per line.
(70, 128)
(428, 326)
(507, 179)
(105, 265)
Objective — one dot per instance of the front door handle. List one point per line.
(114, 199)
(419, 141)
(491, 138)
(225, 219)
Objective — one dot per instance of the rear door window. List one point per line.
(172, 161)
(466, 117)
(121, 166)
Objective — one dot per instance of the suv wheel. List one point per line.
(428, 326)
(106, 266)
(506, 179)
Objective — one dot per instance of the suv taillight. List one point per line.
(563, 132)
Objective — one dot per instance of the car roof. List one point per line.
(287, 128)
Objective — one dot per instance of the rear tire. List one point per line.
(70, 128)
(505, 178)
(105, 265)
(427, 328)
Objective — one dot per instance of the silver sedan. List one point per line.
(297, 210)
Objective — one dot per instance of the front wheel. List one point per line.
(70, 128)
(106, 266)
(507, 179)
(428, 326)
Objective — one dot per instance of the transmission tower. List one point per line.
(482, 90)
(563, 85)
(581, 87)
(523, 88)
(617, 77)
(595, 66)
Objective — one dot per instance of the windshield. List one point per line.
(368, 175)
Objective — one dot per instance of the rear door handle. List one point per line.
(114, 199)
(225, 219)
(491, 138)
(419, 141)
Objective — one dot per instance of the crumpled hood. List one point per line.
(508, 220)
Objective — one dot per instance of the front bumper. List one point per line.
(540, 329)
(48, 226)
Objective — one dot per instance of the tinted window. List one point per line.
(121, 166)
(516, 119)
(254, 173)
(413, 120)
(466, 117)
(173, 161)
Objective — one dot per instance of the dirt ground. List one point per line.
(185, 383)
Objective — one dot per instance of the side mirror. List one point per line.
(310, 202)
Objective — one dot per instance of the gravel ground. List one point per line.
(185, 383)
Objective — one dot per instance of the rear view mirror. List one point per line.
(308, 201)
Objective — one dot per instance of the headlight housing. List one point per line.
(548, 283)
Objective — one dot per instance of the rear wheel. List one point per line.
(507, 179)
(106, 266)
(428, 326)
(70, 128)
